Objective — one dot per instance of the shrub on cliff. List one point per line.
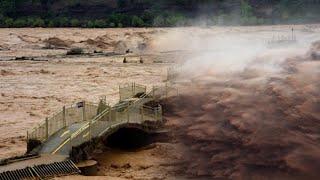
(8, 22)
(19, 23)
(137, 22)
(38, 22)
(75, 23)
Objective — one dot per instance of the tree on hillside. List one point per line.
(100, 23)
(75, 22)
(246, 9)
(175, 19)
(247, 14)
(137, 22)
(38, 22)
(158, 21)
(148, 17)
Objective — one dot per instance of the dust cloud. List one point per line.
(247, 110)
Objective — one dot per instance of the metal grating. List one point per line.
(44, 171)
(26, 173)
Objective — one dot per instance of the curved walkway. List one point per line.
(130, 111)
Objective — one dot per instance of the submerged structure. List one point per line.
(282, 40)
(69, 136)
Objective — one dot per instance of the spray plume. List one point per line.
(246, 111)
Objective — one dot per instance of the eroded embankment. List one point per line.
(251, 124)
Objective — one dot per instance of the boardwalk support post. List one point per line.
(134, 89)
(64, 116)
(84, 111)
(47, 128)
(152, 91)
(120, 93)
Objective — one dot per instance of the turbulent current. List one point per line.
(261, 121)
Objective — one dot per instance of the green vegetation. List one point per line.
(148, 13)
(247, 15)
(137, 22)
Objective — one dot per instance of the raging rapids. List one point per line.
(260, 122)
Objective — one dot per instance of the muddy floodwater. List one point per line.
(228, 64)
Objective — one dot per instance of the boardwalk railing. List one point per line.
(173, 72)
(130, 90)
(78, 112)
(98, 119)
(111, 118)
(81, 111)
(135, 112)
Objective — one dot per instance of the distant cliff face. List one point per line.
(141, 13)
(77, 8)
(101, 8)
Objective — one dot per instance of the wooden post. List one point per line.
(110, 114)
(64, 116)
(47, 128)
(116, 111)
(160, 112)
(84, 111)
(134, 89)
(120, 93)
(38, 133)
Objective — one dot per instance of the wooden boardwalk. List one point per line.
(84, 121)
(53, 140)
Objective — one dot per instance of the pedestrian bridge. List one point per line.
(61, 140)
(83, 122)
